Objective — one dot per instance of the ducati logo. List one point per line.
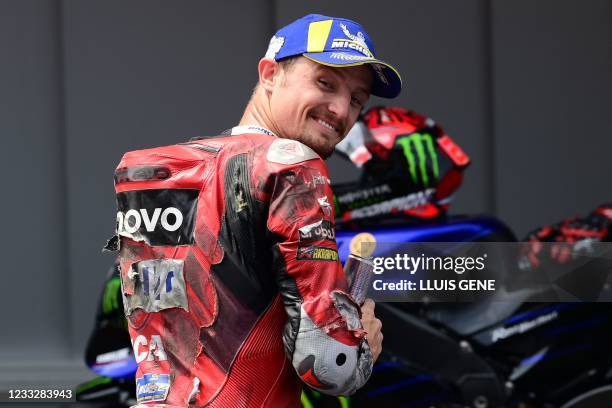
(149, 349)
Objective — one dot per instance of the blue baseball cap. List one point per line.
(336, 42)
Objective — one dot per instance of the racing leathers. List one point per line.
(230, 274)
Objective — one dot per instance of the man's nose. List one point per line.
(340, 106)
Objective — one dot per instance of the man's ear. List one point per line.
(269, 72)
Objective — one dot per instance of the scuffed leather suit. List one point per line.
(230, 274)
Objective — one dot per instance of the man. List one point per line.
(230, 275)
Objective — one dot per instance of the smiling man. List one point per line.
(306, 101)
(230, 274)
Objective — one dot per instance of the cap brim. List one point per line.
(387, 82)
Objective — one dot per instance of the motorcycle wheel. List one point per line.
(595, 398)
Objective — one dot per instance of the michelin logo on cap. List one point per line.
(355, 42)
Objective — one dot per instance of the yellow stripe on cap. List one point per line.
(317, 35)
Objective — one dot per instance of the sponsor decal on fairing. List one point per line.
(502, 333)
(112, 356)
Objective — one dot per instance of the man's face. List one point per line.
(317, 104)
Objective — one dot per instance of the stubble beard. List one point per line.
(322, 149)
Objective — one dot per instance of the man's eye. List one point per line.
(356, 101)
(325, 83)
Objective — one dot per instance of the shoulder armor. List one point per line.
(289, 151)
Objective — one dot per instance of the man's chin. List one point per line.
(325, 154)
(322, 149)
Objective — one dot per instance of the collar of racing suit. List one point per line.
(239, 130)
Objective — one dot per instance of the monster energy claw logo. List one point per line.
(110, 299)
(423, 145)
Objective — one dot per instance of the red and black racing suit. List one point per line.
(230, 274)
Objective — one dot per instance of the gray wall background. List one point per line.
(523, 86)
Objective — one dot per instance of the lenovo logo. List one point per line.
(162, 217)
(169, 219)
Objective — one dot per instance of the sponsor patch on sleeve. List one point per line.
(316, 253)
(152, 387)
(320, 230)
